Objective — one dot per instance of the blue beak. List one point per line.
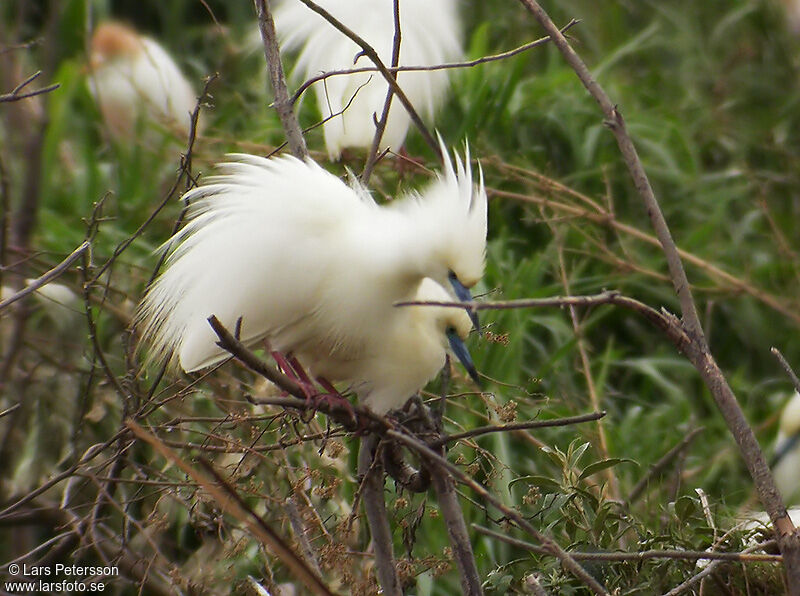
(461, 352)
(462, 293)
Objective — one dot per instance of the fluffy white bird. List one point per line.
(431, 35)
(786, 460)
(314, 266)
(134, 79)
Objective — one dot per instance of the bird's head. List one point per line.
(452, 324)
(113, 41)
(455, 217)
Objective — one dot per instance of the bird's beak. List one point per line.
(783, 448)
(463, 294)
(461, 352)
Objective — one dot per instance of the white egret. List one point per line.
(431, 35)
(132, 77)
(786, 459)
(314, 266)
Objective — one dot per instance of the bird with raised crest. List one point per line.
(286, 252)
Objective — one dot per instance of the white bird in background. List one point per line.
(431, 35)
(786, 458)
(314, 266)
(136, 82)
(792, 8)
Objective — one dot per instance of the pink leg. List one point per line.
(302, 375)
(291, 368)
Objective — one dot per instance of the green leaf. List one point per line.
(601, 465)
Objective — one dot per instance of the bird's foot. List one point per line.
(333, 399)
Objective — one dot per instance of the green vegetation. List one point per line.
(711, 95)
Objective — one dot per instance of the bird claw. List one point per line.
(314, 397)
(334, 401)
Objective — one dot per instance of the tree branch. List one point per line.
(47, 277)
(483, 430)
(446, 66)
(291, 126)
(370, 470)
(16, 95)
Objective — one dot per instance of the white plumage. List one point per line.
(787, 452)
(133, 78)
(431, 35)
(314, 266)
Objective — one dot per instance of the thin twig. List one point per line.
(89, 455)
(662, 463)
(483, 430)
(47, 277)
(786, 367)
(446, 66)
(662, 320)
(645, 555)
(282, 104)
(183, 170)
(380, 123)
(15, 94)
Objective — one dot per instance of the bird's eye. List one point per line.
(450, 330)
(451, 275)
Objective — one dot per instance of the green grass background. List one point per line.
(710, 92)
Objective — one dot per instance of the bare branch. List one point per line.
(294, 134)
(301, 534)
(786, 367)
(16, 94)
(680, 555)
(380, 123)
(453, 516)
(366, 418)
(446, 66)
(47, 277)
(483, 430)
(370, 471)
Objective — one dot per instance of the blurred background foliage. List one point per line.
(710, 92)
